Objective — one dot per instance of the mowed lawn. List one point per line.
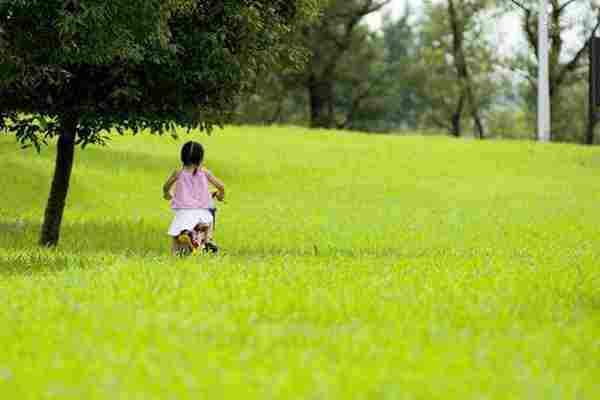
(353, 267)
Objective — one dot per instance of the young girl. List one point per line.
(191, 228)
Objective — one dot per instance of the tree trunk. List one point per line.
(462, 70)
(276, 117)
(591, 127)
(60, 183)
(321, 102)
(592, 116)
(475, 111)
(456, 117)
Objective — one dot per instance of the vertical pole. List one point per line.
(543, 75)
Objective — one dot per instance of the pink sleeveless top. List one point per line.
(191, 191)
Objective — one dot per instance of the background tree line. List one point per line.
(435, 69)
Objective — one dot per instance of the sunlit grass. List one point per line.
(353, 266)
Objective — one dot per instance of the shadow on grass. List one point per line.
(88, 245)
(42, 261)
(144, 239)
(127, 238)
(82, 245)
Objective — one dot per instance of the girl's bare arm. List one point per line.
(218, 184)
(169, 184)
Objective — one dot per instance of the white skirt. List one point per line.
(188, 218)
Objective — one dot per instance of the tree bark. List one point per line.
(276, 117)
(591, 125)
(555, 117)
(321, 103)
(592, 116)
(456, 117)
(475, 114)
(60, 183)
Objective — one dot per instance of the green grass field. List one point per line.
(353, 267)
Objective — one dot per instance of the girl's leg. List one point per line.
(202, 234)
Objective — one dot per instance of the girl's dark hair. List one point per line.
(192, 153)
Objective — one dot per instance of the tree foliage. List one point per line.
(136, 63)
(356, 78)
(338, 45)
